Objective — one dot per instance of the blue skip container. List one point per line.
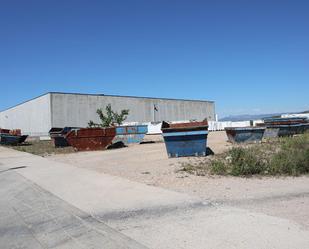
(244, 134)
(130, 134)
(289, 130)
(185, 139)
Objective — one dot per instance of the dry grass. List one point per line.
(42, 148)
(284, 156)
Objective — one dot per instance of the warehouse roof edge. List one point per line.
(107, 95)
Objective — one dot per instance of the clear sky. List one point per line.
(249, 56)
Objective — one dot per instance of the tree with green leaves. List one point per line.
(109, 117)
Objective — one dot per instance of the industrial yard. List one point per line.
(154, 125)
(154, 168)
(137, 194)
(111, 177)
(125, 184)
(75, 109)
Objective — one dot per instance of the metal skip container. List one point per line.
(59, 136)
(130, 134)
(11, 137)
(185, 139)
(287, 126)
(91, 138)
(271, 132)
(244, 134)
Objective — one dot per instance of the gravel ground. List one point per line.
(286, 197)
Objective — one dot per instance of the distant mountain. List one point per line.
(250, 117)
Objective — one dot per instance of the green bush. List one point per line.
(218, 167)
(246, 161)
(293, 157)
(109, 117)
(284, 156)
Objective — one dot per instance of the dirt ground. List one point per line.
(286, 197)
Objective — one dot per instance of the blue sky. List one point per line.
(247, 56)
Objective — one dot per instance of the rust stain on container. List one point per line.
(5, 131)
(178, 127)
(16, 132)
(91, 138)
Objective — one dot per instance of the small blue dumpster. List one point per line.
(306, 127)
(130, 134)
(289, 130)
(271, 133)
(9, 139)
(288, 126)
(244, 134)
(185, 139)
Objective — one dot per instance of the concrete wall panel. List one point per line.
(78, 109)
(32, 117)
(37, 116)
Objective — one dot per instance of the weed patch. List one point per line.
(284, 156)
(42, 148)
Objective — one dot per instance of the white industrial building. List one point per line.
(37, 116)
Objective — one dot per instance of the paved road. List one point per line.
(46, 204)
(31, 217)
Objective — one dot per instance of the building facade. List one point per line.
(35, 117)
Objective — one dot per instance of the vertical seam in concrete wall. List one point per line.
(51, 109)
(60, 104)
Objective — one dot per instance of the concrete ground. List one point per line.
(31, 217)
(100, 200)
(285, 197)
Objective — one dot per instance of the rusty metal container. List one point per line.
(4, 131)
(185, 139)
(244, 134)
(58, 135)
(16, 132)
(91, 138)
